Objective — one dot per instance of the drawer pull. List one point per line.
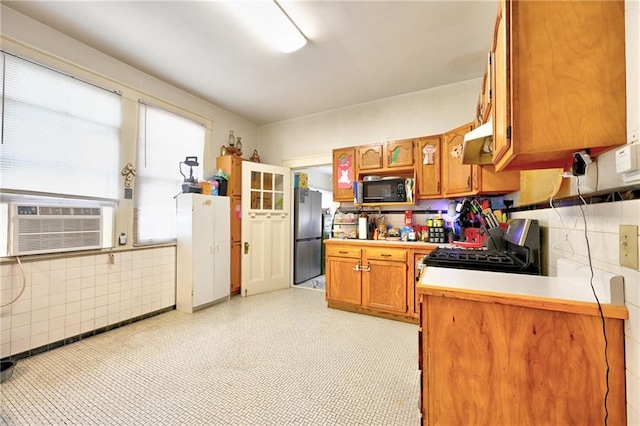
(385, 255)
(343, 252)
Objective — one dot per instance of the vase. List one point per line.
(238, 144)
(232, 139)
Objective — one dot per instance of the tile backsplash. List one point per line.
(563, 236)
(71, 296)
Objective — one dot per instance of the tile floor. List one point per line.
(272, 359)
(317, 283)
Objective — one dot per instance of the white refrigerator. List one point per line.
(203, 251)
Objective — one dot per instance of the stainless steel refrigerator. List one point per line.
(307, 224)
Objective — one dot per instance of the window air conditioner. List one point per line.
(37, 229)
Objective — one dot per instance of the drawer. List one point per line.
(387, 254)
(343, 251)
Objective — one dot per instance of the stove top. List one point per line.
(484, 260)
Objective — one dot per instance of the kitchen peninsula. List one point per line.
(498, 348)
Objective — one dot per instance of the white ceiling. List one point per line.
(358, 51)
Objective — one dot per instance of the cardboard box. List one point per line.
(301, 180)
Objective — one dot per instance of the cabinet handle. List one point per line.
(438, 187)
(343, 252)
(469, 182)
(246, 248)
(367, 269)
(357, 267)
(385, 255)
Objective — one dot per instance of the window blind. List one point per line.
(164, 140)
(59, 135)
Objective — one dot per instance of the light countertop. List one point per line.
(572, 286)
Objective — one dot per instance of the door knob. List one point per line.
(246, 248)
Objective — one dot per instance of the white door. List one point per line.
(266, 228)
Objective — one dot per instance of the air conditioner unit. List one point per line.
(37, 229)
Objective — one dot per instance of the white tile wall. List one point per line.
(602, 222)
(74, 295)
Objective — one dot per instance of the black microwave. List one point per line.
(385, 190)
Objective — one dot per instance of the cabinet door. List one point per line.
(428, 152)
(370, 157)
(459, 179)
(236, 224)
(343, 174)
(385, 286)
(344, 283)
(500, 87)
(236, 267)
(399, 154)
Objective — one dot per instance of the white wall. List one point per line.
(423, 113)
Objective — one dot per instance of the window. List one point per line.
(164, 140)
(59, 136)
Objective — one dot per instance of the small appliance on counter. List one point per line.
(190, 184)
(517, 251)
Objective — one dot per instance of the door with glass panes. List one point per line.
(266, 228)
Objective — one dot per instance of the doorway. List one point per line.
(319, 180)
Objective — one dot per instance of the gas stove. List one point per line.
(516, 251)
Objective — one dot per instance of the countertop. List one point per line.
(391, 243)
(569, 291)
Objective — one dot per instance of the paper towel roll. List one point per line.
(362, 228)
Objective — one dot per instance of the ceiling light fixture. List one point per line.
(272, 24)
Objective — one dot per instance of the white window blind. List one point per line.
(60, 135)
(164, 140)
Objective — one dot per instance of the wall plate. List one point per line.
(629, 246)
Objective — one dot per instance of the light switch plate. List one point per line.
(629, 246)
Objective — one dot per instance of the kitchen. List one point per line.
(398, 118)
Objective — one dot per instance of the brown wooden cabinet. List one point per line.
(343, 279)
(487, 358)
(428, 167)
(458, 178)
(344, 173)
(232, 166)
(466, 179)
(385, 157)
(374, 278)
(384, 280)
(559, 81)
(369, 157)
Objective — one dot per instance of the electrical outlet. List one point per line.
(112, 259)
(629, 246)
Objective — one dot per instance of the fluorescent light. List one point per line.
(270, 22)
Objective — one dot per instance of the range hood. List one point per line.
(476, 148)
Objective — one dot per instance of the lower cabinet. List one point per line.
(384, 272)
(489, 359)
(373, 278)
(343, 279)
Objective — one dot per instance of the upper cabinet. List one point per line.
(385, 156)
(458, 178)
(464, 179)
(558, 81)
(344, 167)
(428, 167)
